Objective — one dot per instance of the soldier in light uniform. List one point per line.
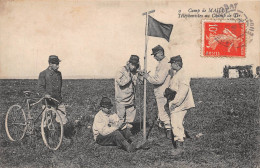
(183, 100)
(125, 83)
(161, 81)
(108, 132)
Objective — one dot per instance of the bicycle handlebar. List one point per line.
(45, 98)
(52, 99)
(28, 93)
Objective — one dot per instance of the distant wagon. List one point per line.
(257, 72)
(238, 71)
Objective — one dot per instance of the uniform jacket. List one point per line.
(125, 83)
(184, 98)
(161, 78)
(50, 82)
(104, 124)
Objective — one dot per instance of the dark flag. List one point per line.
(158, 29)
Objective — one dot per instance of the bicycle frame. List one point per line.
(31, 121)
(21, 117)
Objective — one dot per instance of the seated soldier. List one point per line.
(107, 132)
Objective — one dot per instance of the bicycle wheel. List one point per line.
(51, 128)
(15, 123)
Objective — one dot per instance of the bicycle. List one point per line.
(18, 124)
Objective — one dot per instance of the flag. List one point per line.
(158, 29)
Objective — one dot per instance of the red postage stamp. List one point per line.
(223, 39)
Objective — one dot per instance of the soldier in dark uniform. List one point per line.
(50, 83)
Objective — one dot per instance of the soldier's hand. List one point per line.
(141, 72)
(146, 75)
(122, 126)
(171, 73)
(172, 107)
(166, 107)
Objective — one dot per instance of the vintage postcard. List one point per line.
(129, 83)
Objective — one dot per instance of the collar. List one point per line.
(179, 71)
(51, 71)
(108, 115)
(105, 114)
(163, 60)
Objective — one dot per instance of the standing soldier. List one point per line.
(50, 83)
(183, 100)
(161, 81)
(125, 83)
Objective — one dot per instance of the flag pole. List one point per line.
(145, 69)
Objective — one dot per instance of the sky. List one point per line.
(95, 38)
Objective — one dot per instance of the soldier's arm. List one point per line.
(60, 80)
(159, 76)
(140, 77)
(114, 119)
(102, 128)
(123, 78)
(181, 94)
(183, 89)
(42, 84)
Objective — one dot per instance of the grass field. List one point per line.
(226, 115)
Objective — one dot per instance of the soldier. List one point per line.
(161, 81)
(107, 130)
(183, 100)
(50, 83)
(125, 83)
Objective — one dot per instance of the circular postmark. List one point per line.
(240, 33)
(240, 17)
(229, 39)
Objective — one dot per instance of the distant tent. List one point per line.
(243, 71)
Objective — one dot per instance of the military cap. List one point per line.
(175, 59)
(157, 49)
(54, 59)
(134, 59)
(105, 102)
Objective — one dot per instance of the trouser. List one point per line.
(62, 112)
(177, 117)
(162, 114)
(115, 138)
(126, 113)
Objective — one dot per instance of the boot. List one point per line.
(178, 148)
(179, 144)
(139, 144)
(128, 147)
(173, 141)
(187, 135)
